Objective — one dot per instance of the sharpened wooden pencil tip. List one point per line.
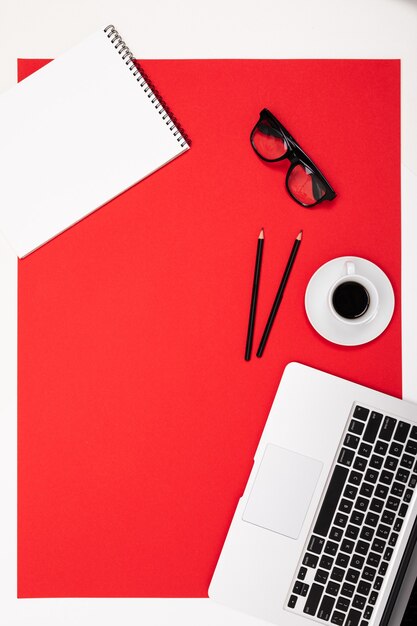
(300, 235)
(261, 234)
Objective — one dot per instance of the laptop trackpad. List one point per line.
(282, 491)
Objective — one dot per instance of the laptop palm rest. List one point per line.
(282, 491)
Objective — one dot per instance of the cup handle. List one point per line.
(350, 268)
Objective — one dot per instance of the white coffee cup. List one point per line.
(358, 302)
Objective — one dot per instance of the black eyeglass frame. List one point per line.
(296, 155)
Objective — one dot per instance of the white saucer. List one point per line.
(322, 319)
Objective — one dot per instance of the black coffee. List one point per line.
(350, 300)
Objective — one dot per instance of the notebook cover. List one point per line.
(82, 132)
(138, 416)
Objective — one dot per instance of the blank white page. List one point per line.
(74, 135)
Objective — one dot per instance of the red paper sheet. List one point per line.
(138, 416)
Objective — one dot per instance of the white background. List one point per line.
(189, 29)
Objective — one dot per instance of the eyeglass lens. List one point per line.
(305, 185)
(268, 141)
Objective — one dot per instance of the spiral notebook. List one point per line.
(80, 131)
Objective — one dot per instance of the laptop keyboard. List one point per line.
(357, 528)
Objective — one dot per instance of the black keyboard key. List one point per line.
(353, 618)
(358, 602)
(355, 478)
(367, 533)
(396, 448)
(368, 612)
(386, 477)
(388, 517)
(413, 481)
(392, 541)
(313, 599)
(402, 475)
(347, 590)
(332, 588)
(388, 554)
(343, 604)
(371, 475)
(350, 491)
(398, 524)
(360, 464)
(331, 499)
(356, 427)
(378, 583)
(361, 504)
(336, 533)
(351, 441)
(292, 602)
(352, 532)
(378, 545)
(346, 457)
(376, 461)
(362, 547)
(407, 461)
(361, 413)
(411, 447)
(391, 463)
(347, 546)
(369, 574)
(331, 548)
(397, 489)
(352, 576)
(302, 573)
(338, 618)
(383, 568)
(342, 559)
(403, 510)
(310, 560)
(300, 588)
(393, 503)
(345, 506)
(366, 490)
(408, 495)
(341, 520)
(357, 517)
(365, 449)
(373, 598)
(376, 505)
(401, 432)
(383, 531)
(364, 588)
(413, 434)
(373, 559)
(357, 561)
(321, 576)
(326, 562)
(372, 519)
(315, 544)
(381, 447)
(337, 574)
(387, 429)
(372, 427)
(381, 491)
(326, 608)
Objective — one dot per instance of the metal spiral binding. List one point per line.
(146, 85)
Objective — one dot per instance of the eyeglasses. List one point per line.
(272, 142)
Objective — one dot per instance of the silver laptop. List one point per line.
(327, 524)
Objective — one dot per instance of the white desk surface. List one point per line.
(192, 29)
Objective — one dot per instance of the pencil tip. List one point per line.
(261, 234)
(300, 235)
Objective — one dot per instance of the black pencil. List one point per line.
(279, 295)
(254, 299)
